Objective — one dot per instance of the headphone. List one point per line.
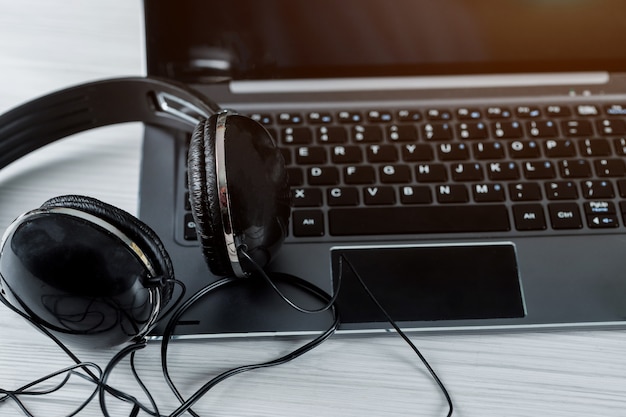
(93, 273)
(90, 273)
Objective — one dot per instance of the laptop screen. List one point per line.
(201, 40)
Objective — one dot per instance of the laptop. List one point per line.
(466, 158)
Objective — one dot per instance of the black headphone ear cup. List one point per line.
(139, 232)
(203, 197)
(249, 194)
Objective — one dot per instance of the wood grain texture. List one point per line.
(50, 44)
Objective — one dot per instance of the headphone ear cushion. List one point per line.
(203, 196)
(136, 230)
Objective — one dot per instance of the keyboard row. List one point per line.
(446, 131)
(454, 151)
(456, 193)
(403, 220)
(441, 114)
(330, 175)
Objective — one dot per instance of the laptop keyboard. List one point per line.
(452, 170)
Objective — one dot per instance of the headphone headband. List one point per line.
(137, 99)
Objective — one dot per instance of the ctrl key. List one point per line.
(308, 223)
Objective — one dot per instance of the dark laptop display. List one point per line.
(466, 156)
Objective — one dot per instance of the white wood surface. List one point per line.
(50, 44)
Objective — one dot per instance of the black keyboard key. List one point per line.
(395, 174)
(542, 129)
(453, 151)
(600, 207)
(308, 223)
(472, 130)
(577, 128)
(306, 197)
(467, 171)
(189, 230)
(593, 189)
(343, 196)
(367, 134)
(537, 170)
(402, 133)
(613, 167)
(488, 150)
(565, 216)
(331, 134)
(359, 174)
(502, 171)
(611, 127)
(559, 148)
(488, 193)
(379, 116)
(437, 131)
(415, 194)
(382, 153)
(594, 147)
(306, 155)
(320, 117)
(527, 111)
(467, 113)
(296, 136)
(187, 202)
(497, 112)
(615, 109)
(587, 110)
(349, 117)
(379, 196)
(408, 115)
(575, 168)
(561, 190)
(558, 111)
(529, 217)
(346, 155)
(525, 191)
(417, 152)
(507, 130)
(431, 172)
(438, 114)
(452, 193)
(418, 219)
(602, 221)
(524, 149)
(287, 118)
(327, 175)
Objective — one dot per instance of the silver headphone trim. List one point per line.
(134, 248)
(223, 195)
(180, 108)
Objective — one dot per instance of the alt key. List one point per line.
(308, 223)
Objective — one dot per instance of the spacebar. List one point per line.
(417, 219)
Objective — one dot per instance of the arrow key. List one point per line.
(602, 221)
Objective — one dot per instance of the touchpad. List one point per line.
(425, 283)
